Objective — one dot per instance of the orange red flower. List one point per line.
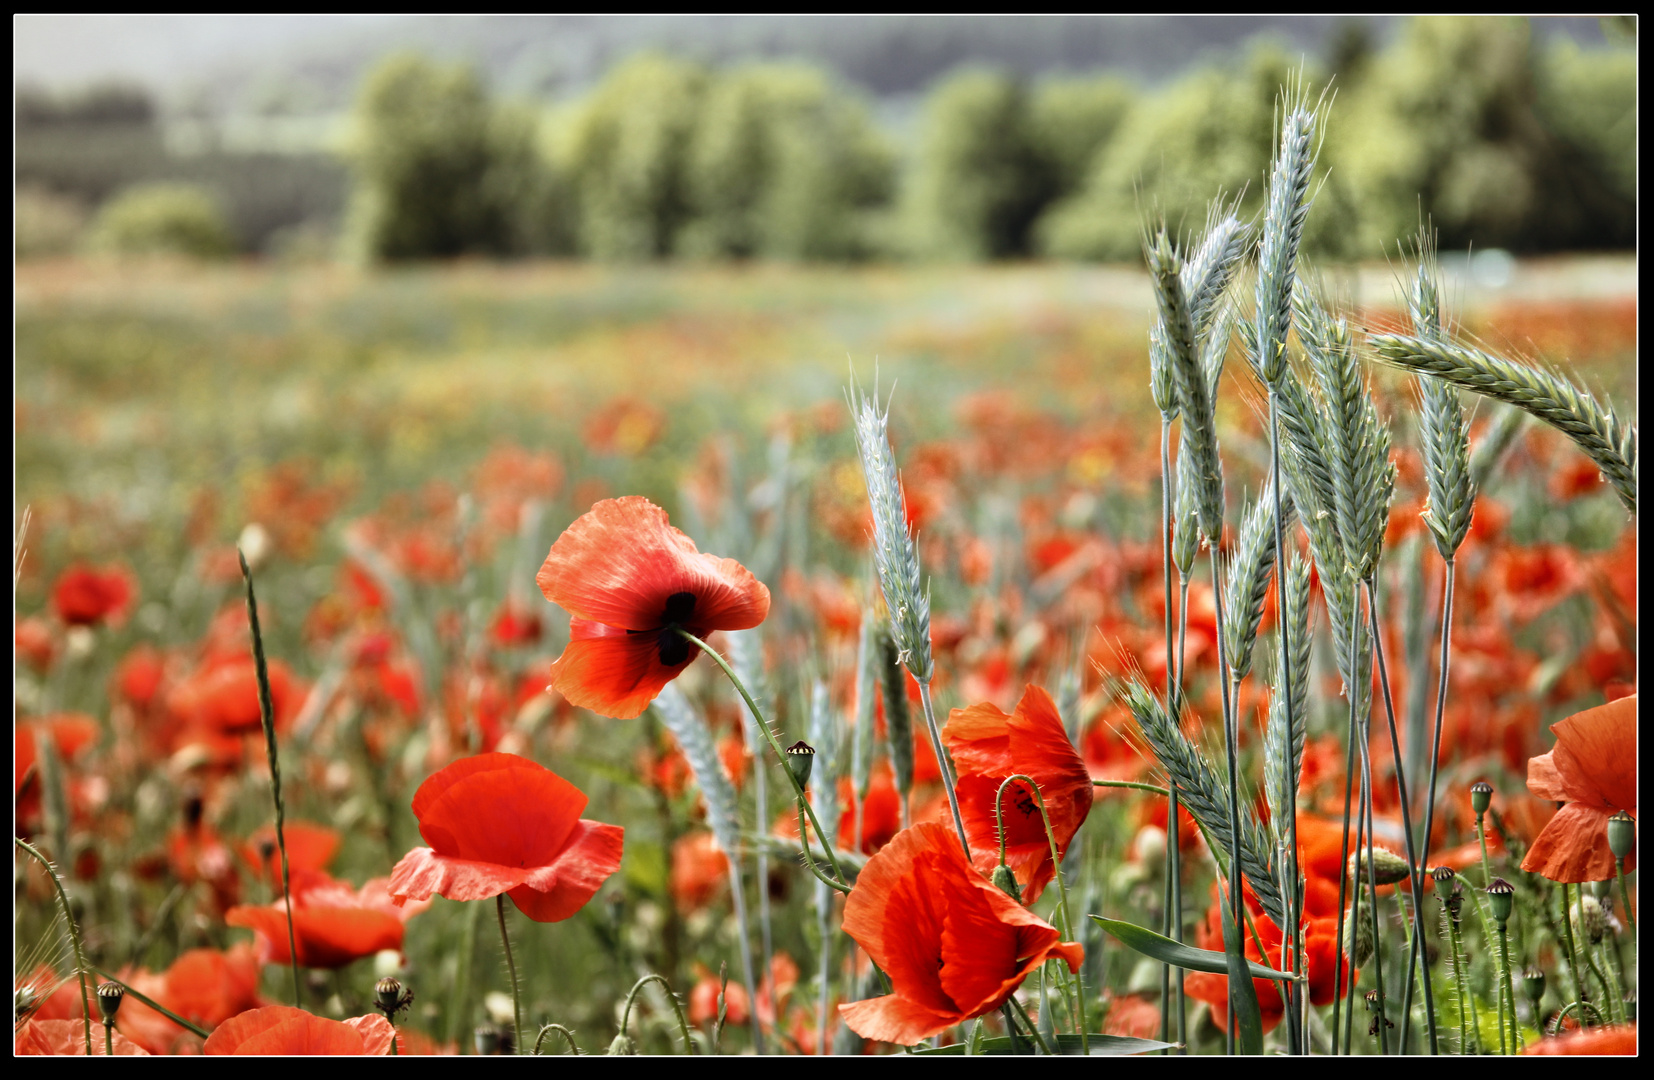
(84, 596)
(1619, 1039)
(988, 746)
(1593, 769)
(498, 823)
(333, 924)
(282, 1029)
(954, 946)
(630, 581)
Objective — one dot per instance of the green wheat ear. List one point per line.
(1594, 427)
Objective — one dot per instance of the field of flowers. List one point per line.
(430, 471)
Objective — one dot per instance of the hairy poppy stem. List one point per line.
(1062, 886)
(1032, 1027)
(267, 719)
(769, 736)
(74, 934)
(677, 1008)
(804, 841)
(568, 1036)
(511, 965)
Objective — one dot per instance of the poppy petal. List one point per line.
(614, 676)
(977, 952)
(893, 914)
(512, 816)
(282, 1029)
(377, 1033)
(1573, 846)
(1544, 780)
(422, 873)
(63, 1037)
(1596, 753)
(620, 562)
(895, 1019)
(593, 854)
(439, 782)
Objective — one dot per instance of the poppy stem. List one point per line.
(804, 840)
(1135, 786)
(1032, 1027)
(1625, 901)
(1056, 863)
(677, 1007)
(568, 1037)
(267, 720)
(74, 935)
(1567, 926)
(511, 965)
(775, 745)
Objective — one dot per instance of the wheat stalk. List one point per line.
(1278, 250)
(1248, 581)
(1193, 389)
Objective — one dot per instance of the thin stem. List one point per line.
(626, 1013)
(266, 714)
(1032, 1027)
(1171, 676)
(1289, 798)
(1415, 882)
(1460, 986)
(1567, 930)
(804, 839)
(561, 1030)
(1056, 863)
(1625, 901)
(1174, 819)
(738, 892)
(511, 964)
(775, 744)
(943, 766)
(74, 935)
(1231, 740)
(1503, 975)
(1344, 874)
(1135, 786)
(127, 991)
(1487, 871)
(109, 1039)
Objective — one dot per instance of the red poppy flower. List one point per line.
(699, 870)
(1619, 1039)
(703, 1000)
(282, 1029)
(1320, 942)
(498, 823)
(988, 746)
(310, 847)
(954, 946)
(59, 1037)
(333, 924)
(881, 811)
(630, 580)
(1593, 769)
(84, 596)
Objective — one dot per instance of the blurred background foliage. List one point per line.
(1502, 137)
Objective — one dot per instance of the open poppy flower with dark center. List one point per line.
(333, 924)
(282, 1029)
(988, 746)
(954, 946)
(1593, 770)
(631, 581)
(498, 823)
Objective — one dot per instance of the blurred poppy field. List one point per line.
(394, 453)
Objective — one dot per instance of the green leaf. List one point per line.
(1243, 995)
(1104, 1045)
(1167, 951)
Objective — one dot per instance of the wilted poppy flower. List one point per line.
(60, 1037)
(84, 596)
(630, 580)
(1593, 769)
(282, 1029)
(954, 946)
(988, 746)
(498, 823)
(333, 924)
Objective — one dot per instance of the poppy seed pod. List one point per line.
(1444, 877)
(1500, 895)
(1481, 796)
(1005, 880)
(486, 1039)
(1533, 983)
(1622, 834)
(387, 995)
(109, 1001)
(801, 758)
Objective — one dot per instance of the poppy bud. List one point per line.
(109, 1001)
(801, 758)
(1622, 834)
(622, 1046)
(1592, 917)
(1500, 895)
(1388, 867)
(1445, 879)
(1360, 933)
(1481, 796)
(487, 1039)
(1006, 882)
(1533, 983)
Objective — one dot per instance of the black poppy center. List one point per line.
(674, 650)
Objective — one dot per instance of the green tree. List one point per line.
(981, 178)
(439, 170)
(172, 219)
(1073, 119)
(627, 158)
(784, 165)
